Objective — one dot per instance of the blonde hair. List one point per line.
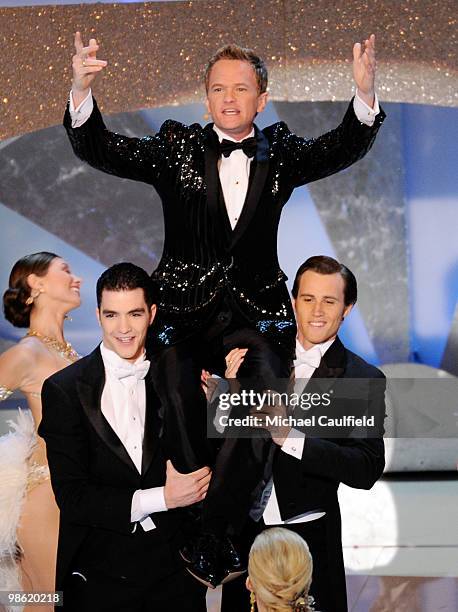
(280, 570)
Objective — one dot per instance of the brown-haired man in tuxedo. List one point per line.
(121, 501)
(302, 494)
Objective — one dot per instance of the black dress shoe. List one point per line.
(231, 561)
(203, 559)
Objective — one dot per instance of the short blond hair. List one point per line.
(235, 52)
(280, 570)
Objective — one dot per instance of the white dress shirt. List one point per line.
(234, 170)
(234, 174)
(123, 404)
(294, 443)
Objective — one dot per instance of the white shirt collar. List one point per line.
(323, 346)
(222, 135)
(113, 360)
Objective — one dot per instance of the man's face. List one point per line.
(233, 98)
(319, 307)
(124, 318)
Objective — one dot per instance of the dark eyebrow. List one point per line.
(135, 310)
(326, 297)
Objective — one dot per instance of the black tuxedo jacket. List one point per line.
(312, 483)
(203, 258)
(94, 478)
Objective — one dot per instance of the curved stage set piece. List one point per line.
(392, 218)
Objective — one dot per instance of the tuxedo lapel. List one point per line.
(89, 387)
(258, 175)
(153, 422)
(215, 199)
(332, 366)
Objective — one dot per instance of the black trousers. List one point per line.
(138, 572)
(323, 537)
(239, 464)
(96, 591)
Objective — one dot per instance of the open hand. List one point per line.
(85, 66)
(364, 67)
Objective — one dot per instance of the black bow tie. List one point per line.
(248, 146)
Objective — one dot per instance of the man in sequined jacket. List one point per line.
(223, 188)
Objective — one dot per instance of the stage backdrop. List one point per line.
(392, 218)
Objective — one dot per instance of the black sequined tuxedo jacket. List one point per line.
(203, 258)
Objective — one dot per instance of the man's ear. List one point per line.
(97, 314)
(262, 101)
(153, 311)
(347, 311)
(207, 105)
(293, 302)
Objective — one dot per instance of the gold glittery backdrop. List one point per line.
(157, 51)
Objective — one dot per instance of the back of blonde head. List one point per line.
(280, 570)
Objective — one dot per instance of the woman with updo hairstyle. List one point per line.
(42, 291)
(279, 572)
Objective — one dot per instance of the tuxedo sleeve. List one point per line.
(308, 160)
(142, 159)
(357, 462)
(80, 500)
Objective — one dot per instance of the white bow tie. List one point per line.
(312, 357)
(139, 370)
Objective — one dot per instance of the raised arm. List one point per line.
(364, 67)
(86, 67)
(143, 159)
(312, 159)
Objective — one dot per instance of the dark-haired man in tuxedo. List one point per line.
(302, 495)
(120, 500)
(223, 188)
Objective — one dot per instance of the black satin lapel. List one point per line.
(258, 175)
(223, 216)
(153, 425)
(332, 366)
(211, 173)
(90, 387)
(332, 363)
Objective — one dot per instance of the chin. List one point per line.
(317, 339)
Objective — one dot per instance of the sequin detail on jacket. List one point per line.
(203, 258)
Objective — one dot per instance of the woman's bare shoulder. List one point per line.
(17, 361)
